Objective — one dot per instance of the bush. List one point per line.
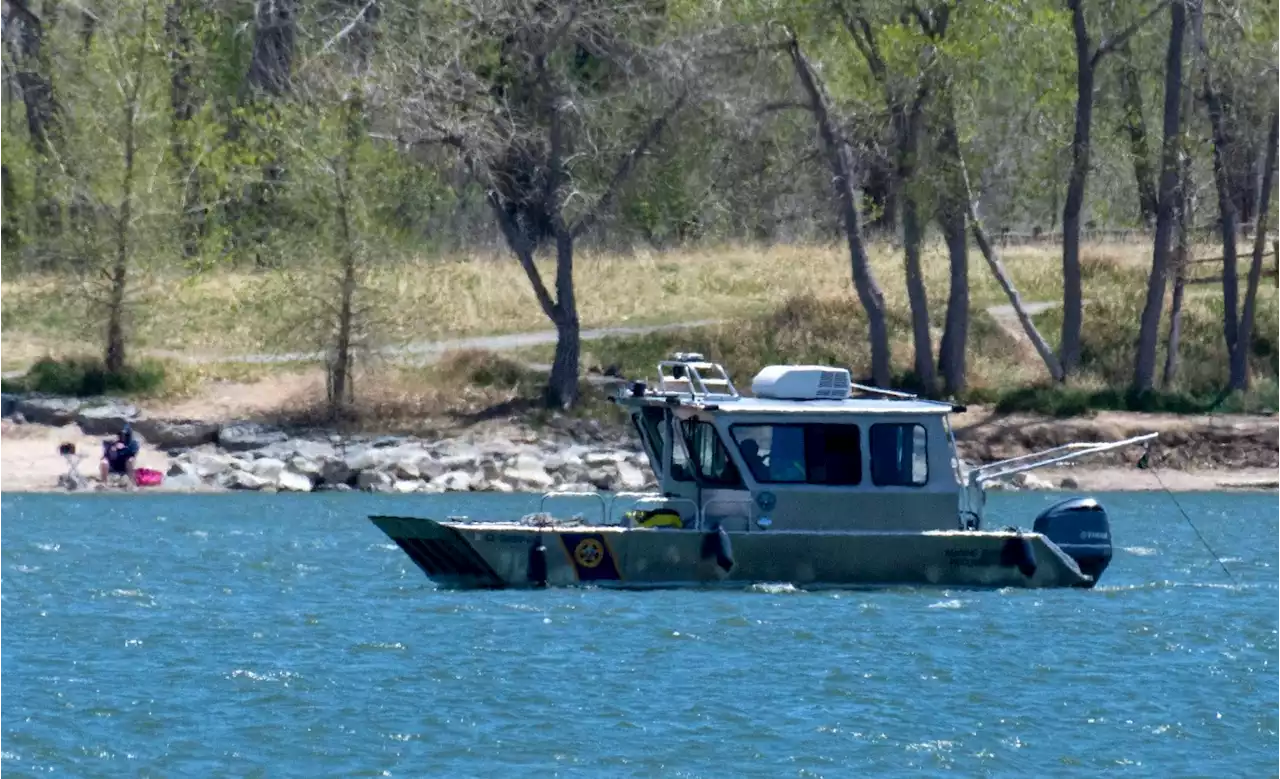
(87, 376)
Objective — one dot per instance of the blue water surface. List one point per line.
(275, 635)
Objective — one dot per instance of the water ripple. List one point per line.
(197, 636)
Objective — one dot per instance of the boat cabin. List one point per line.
(801, 453)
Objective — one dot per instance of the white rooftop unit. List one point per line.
(801, 382)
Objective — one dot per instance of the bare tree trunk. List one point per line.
(907, 130)
(115, 357)
(341, 393)
(1144, 367)
(1135, 125)
(182, 102)
(1229, 218)
(840, 159)
(562, 389)
(1182, 259)
(912, 237)
(955, 334)
(275, 27)
(997, 269)
(1072, 285)
(43, 112)
(11, 234)
(1245, 333)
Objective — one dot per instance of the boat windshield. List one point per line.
(710, 458)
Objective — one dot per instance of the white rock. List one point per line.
(243, 480)
(292, 481)
(208, 465)
(630, 477)
(406, 470)
(268, 468)
(428, 467)
(601, 478)
(374, 481)
(183, 481)
(366, 459)
(407, 485)
(530, 477)
(335, 472)
(603, 458)
(500, 486)
(454, 481)
(1029, 481)
(305, 466)
(455, 462)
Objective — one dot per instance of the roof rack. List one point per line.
(683, 374)
(870, 390)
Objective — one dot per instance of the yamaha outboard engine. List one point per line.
(1079, 527)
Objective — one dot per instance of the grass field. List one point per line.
(779, 304)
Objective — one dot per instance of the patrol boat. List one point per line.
(813, 481)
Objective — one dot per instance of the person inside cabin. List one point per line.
(119, 456)
(751, 455)
(786, 454)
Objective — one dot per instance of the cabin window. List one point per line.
(801, 454)
(899, 455)
(651, 421)
(709, 455)
(680, 468)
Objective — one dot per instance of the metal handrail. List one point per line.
(1076, 449)
(694, 378)
(604, 507)
(750, 504)
(656, 497)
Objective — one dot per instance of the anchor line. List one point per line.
(1145, 463)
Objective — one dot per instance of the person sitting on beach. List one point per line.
(118, 456)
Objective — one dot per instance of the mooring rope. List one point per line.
(1144, 463)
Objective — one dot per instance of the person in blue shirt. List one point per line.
(118, 456)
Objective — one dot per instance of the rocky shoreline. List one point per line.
(253, 456)
(582, 456)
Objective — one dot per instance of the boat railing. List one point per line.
(750, 506)
(693, 376)
(639, 498)
(1058, 454)
(607, 503)
(604, 506)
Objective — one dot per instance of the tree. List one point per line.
(1087, 61)
(1225, 150)
(545, 103)
(24, 32)
(1166, 213)
(905, 98)
(840, 158)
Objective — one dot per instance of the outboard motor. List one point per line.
(1080, 528)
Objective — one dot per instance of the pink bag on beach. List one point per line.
(146, 477)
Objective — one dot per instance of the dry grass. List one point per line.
(425, 299)
(781, 304)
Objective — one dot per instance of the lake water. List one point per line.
(255, 635)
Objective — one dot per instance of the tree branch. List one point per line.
(628, 163)
(523, 249)
(1119, 39)
(783, 105)
(865, 40)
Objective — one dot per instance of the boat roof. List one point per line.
(749, 405)
(691, 381)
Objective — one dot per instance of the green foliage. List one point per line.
(87, 377)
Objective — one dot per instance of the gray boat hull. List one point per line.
(502, 555)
